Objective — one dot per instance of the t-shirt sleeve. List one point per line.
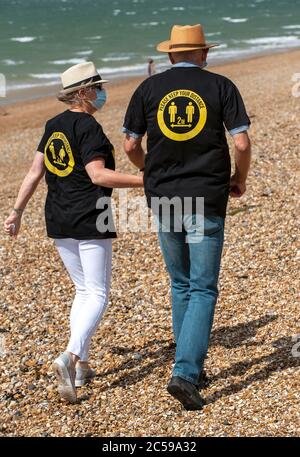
(93, 143)
(135, 119)
(234, 111)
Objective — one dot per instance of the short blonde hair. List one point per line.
(71, 98)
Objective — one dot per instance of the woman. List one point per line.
(78, 161)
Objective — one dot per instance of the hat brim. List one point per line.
(164, 46)
(74, 89)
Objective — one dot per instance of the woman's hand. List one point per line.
(12, 224)
(37, 170)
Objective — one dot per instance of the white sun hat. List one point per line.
(80, 76)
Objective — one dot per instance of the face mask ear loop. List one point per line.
(84, 98)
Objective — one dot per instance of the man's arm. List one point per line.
(134, 150)
(242, 158)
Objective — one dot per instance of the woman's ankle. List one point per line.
(83, 363)
(74, 357)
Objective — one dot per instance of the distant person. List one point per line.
(78, 160)
(151, 67)
(184, 110)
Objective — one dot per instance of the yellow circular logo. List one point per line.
(58, 155)
(181, 115)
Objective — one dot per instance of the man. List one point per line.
(184, 111)
(151, 67)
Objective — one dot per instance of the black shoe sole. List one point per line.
(184, 398)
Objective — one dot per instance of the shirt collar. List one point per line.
(186, 64)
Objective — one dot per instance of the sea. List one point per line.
(39, 39)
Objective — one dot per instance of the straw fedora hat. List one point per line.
(80, 76)
(185, 38)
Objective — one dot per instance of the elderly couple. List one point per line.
(184, 112)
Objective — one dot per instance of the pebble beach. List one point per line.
(254, 359)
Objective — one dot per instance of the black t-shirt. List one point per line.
(184, 110)
(71, 140)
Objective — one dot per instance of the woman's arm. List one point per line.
(102, 176)
(28, 186)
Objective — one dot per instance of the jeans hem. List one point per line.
(186, 378)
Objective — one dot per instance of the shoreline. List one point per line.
(40, 93)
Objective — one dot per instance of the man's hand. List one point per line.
(237, 188)
(242, 163)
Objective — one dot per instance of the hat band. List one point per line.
(187, 45)
(84, 81)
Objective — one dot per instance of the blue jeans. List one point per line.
(194, 270)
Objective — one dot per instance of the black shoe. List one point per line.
(203, 380)
(186, 393)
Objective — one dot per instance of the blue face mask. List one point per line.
(100, 100)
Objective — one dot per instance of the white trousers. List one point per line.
(89, 265)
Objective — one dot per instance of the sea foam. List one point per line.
(24, 39)
(291, 27)
(235, 21)
(12, 62)
(278, 41)
(68, 61)
(45, 75)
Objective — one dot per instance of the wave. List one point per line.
(45, 75)
(158, 57)
(13, 87)
(97, 37)
(84, 53)
(12, 62)
(291, 27)
(124, 69)
(258, 46)
(68, 61)
(279, 40)
(111, 71)
(228, 54)
(115, 59)
(235, 21)
(145, 24)
(24, 39)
